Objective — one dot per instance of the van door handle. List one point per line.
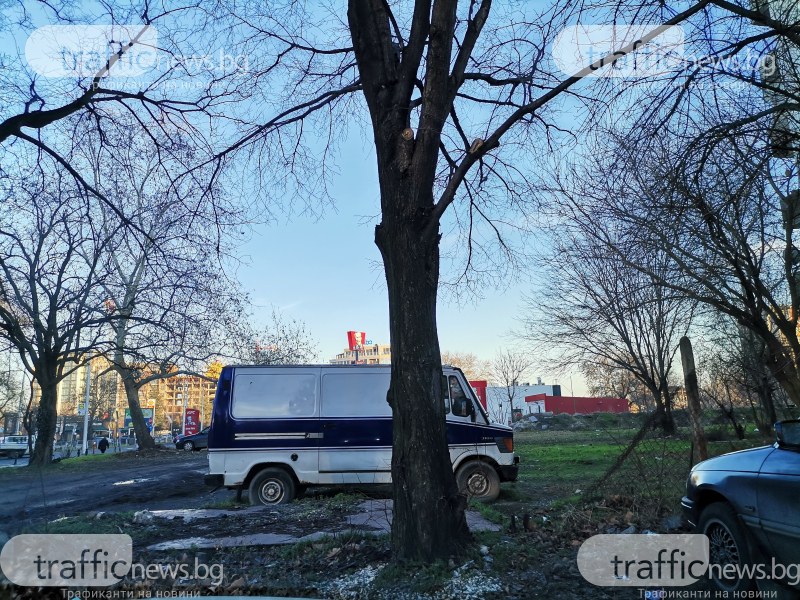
(329, 426)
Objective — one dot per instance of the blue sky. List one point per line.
(328, 273)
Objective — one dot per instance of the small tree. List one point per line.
(282, 342)
(473, 367)
(508, 369)
(605, 378)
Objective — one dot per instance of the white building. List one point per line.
(497, 399)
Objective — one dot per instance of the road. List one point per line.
(128, 482)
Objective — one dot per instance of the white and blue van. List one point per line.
(277, 429)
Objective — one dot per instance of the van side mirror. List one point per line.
(462, 407)
(787, 434)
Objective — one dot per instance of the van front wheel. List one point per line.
(478, 480)
(272, 486)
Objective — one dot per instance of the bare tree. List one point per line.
(281, 342)
(454, 93)
(9, 394)
(133, 73)
(103, 397)
(702, 170)
(598, 311)
(508, 368)
(474, 368)
(52, 259)
(605, 378)
(443, 83)
(729, 243)
(168, 290)
(738, 377)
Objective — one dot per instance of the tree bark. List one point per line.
(46, 415)
(781, 364)
(143, 438)
(662, 416)
(429, 520)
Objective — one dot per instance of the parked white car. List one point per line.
(14, 446)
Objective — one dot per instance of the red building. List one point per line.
(576, 404)
(480, 386)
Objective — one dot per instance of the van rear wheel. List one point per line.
(272, 486)
(478, 480)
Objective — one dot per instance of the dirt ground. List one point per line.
(534, 558)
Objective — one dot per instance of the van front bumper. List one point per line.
(510, 472)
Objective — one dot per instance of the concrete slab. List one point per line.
(255, 539)
(375, 518)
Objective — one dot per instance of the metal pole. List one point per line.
(86, 406)
(183, 416)
(19, 407)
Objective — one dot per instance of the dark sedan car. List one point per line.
(195, 441)
(748, 504)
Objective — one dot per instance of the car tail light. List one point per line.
(505, 444)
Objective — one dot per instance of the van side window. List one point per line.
(355, 395)
(274, 395)
(462, 407)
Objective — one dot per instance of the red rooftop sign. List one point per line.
(355, 339)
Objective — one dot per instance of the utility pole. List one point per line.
(700, 445)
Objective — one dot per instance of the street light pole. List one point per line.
(86, 406)
(19, 407)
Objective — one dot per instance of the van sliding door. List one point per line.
(356, 423)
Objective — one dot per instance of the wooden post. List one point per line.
(693, 398)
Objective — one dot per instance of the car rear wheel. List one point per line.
(478, 480)
(272, 486)
(727, 546)
(188, 446)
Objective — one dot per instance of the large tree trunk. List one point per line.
(668, 423)
(662, 417)
(46, 415)
(143, 437)
(782, 366)
(429, 520)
